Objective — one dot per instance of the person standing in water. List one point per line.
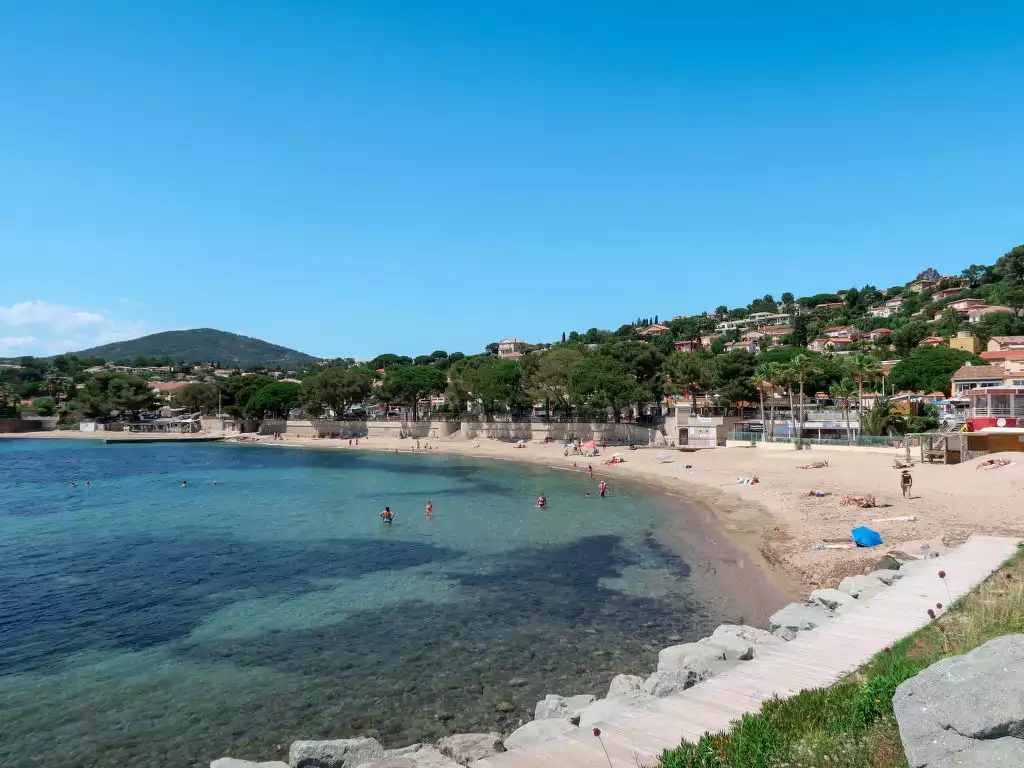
(387, 515)
(603, 488)
(430, 509)
(542, 502)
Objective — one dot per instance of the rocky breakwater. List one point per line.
(679, 667)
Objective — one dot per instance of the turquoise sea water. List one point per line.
(146, 624)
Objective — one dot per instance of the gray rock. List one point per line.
(602, 709)
(629, 686)
(464, 748)
(424, 757)
(784, 633)
(231, 762)
(889, 562)
(799, 617)
(966, 711)
(745, 632)
(335, 753)
(563, 707)
(676, 657)
(732, 647)
(696, 670)
(887, 576)
(538, 731)
(832, 599)
(861, 587)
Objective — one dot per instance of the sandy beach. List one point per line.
(775, 521)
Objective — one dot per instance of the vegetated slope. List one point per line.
(201, 345)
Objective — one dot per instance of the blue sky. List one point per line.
(351, 178)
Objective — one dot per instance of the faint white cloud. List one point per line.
(40, 328)
(131, 302)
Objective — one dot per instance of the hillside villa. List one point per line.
(920, 285)
(976, 314)
(511, 349)
(655, 330)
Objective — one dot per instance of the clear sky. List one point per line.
(351, 178)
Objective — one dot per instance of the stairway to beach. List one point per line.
(812, 660)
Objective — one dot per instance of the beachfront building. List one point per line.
(970, 377)
(511, 348)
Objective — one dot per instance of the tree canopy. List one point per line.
(929, 369)
(109, 393)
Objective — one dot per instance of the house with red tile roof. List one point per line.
(971, 377)
(1004, 343)
(976, 314)
(932, 341)
(655, 330)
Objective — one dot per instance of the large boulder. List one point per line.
(563, 707)
(603, 709)
(696, 670)
(676, 657)
(538, 731)
(798, 617)
(966, 711)
(464, 748)
(630, 686)
(334, 753)
(232, 762)
(732, 647)
(753, 635)
(891, 561)
(424, 757)
(832, 599)
(861, 587)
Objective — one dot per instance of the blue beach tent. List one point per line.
(865, 537)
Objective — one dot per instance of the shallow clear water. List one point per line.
(146, 624)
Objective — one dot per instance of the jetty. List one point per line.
(155, 438)
(812, 660)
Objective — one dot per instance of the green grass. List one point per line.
(851, 724)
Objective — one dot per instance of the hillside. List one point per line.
(202, 345)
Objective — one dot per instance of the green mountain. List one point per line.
(202, 345)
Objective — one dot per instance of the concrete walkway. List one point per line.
(813, 660)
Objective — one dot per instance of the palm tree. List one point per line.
(882, 418)
(843, 391)
(776, 377)
(766, 377)
(861, 367)
(801, 368)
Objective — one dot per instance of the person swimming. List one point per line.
(184, 483)
(542, 502)
(430, 509)
(387, 515)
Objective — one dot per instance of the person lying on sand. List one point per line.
(994, 464)
(864, 502)
(897, 464)
(819, 494)
(814, 465)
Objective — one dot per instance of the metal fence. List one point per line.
(874, 441)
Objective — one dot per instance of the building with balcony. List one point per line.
(971, 377)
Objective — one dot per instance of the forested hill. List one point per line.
(202, 345)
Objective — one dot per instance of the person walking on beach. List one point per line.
(590, 472)
(906, 483)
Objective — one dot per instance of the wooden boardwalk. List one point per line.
(813, 660)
